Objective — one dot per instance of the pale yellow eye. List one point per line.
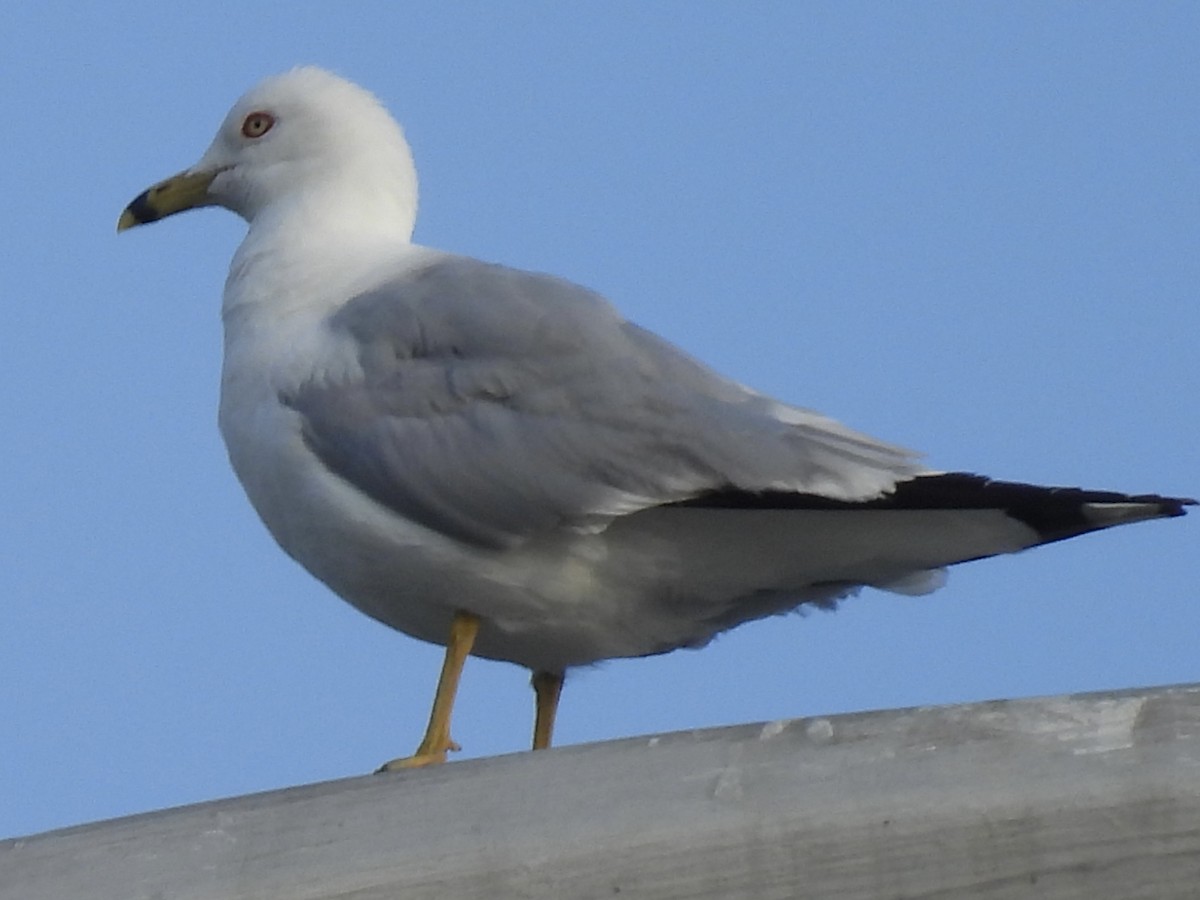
(257, 124)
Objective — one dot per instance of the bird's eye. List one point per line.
(257, 124)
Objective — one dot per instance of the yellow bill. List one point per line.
(187, 190)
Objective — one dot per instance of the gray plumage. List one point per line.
(429, 434)
(495, 404)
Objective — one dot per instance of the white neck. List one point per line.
(300, 251)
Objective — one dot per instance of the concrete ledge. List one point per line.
(1094, 796)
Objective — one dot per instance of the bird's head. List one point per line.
(301, 136)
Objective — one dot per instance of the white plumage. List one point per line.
(432, 435)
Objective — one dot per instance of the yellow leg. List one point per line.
(547, 687)
(437, 742)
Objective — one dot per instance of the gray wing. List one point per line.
(495, 404)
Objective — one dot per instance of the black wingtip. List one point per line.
(1175, 506)
(1055, 513)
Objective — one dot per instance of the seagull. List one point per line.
(497, 461)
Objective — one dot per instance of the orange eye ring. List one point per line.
(257, 124)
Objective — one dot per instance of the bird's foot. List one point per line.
(425, 756)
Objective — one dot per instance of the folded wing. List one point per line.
(495, 405)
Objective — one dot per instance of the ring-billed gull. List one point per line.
(497, 461)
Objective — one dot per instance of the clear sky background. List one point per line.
(972, 229)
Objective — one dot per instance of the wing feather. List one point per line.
(495, 404)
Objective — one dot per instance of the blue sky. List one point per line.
(968, 228)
